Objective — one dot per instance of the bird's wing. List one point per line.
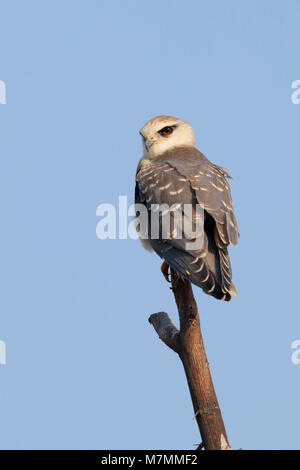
(212, 190)
(179, 178)
(159, 184)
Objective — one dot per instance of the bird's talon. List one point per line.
(165, 270)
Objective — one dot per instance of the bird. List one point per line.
(174, 173)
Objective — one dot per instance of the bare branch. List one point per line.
(188, 343)
(165, 329)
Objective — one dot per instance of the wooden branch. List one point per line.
(165, 329)
(188, 343)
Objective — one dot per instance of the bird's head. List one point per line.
(164, 133)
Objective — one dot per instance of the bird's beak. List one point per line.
(149, 142)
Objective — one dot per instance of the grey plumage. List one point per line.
(185, 176)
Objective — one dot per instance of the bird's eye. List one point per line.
(166, 130)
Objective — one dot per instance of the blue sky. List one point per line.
(84, 368)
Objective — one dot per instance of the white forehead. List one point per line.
(157, 123)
